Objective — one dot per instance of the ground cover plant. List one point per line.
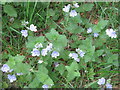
(60, 45)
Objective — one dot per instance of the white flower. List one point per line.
(40, 61)
(38, 45)
(5, 68)
(24, 33)
(44, 52)
(55, 54)
(76, 5)
(35, 52)
(10, 70)
(89, 30)
(45, 86)
(74, 56)
(19, 74)
(108, 85)
(49, 47)
(80, 52)
(12, 78)
(32, 27)
(56, 64)
(101, 81)
(66, 8)
(73, 13)
(24, 23)
(111, 33)
(96, 34)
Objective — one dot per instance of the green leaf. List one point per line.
(99, 52)
(101, 25)
(35, 83)
(10, 10)
(50, 13)
(33, 40)
(22, 67)
(85, 7)
(59, 41)
(72, 71)
(61, 69)
(19, 58)
(112, 58)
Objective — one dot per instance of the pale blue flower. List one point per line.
(19, 74)
(73, 55)
(76, 5)
(56, 64)
(10, 70)
(55, 54)
(101, 81)
(38, 45)
(5, 68)
(66, 8)
(73, 13)
(108, 85)
(45, 86)
(24, 33)
(35, 52)
(96, 34)
(44, 52)
(89, 30)
(80, 52)
(12, 78)
(111, 33)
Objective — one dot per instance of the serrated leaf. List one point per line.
(10, 10)
(101, 25)
(85, 7)
(60, 68)
(72, 71)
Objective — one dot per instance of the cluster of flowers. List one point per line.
(110, 32)
(73, 13)
(75, 55)
(102, 82)
(5, 68)
(44, 52)
(25, 32)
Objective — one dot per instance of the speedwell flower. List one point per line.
(32, 28)
(76, 5)
(96, 34)
(73, 13)
(101, 81)
(66, 8)
(89, 30)
(12, 78)
(111, 33)
(44, 52)
(24, 33)
(38, 45)
(5, 68)
(35, 52)
(108, 85)
(55, 54)
(45, 86)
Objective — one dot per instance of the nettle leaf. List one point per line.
(99, 52)
(101, 25)
(35, 83)
(22, 67)
(59, 41)
(72, 71)
(33, 40)
(19, 58)
(74, 28)
(61, 69)
(112, 58)
(51, 12)
(76, 19)
(85, 7)
(10, 10)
